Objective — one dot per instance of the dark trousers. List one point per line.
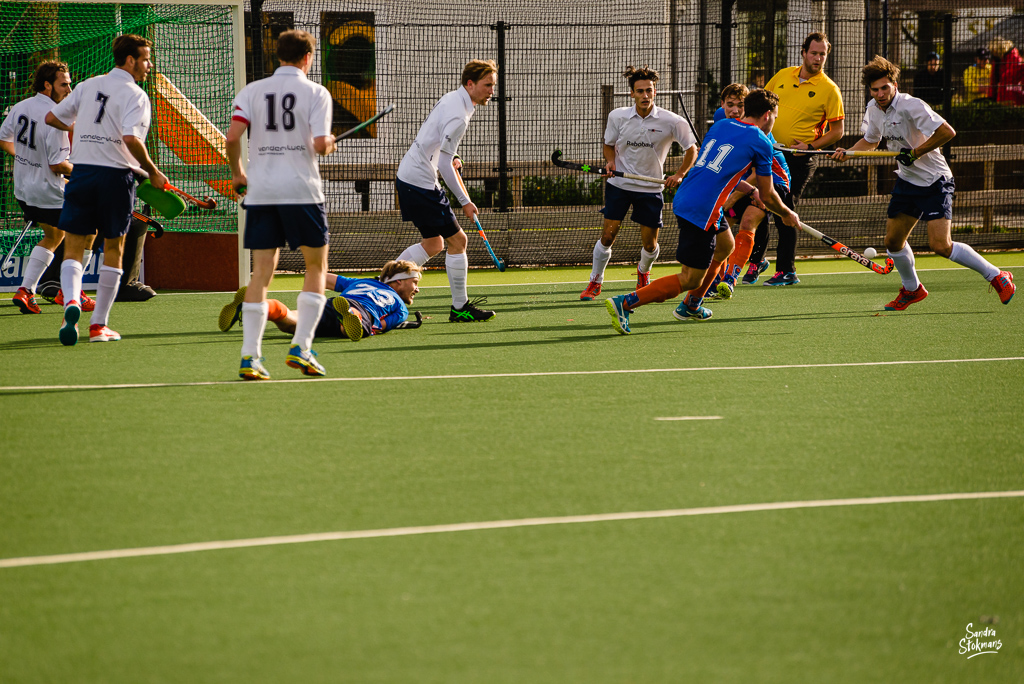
(801, 170)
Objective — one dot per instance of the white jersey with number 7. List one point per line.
(285, 113)
(104, 109)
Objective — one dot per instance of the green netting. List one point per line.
(192, 50)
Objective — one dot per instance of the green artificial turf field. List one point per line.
(816, 394)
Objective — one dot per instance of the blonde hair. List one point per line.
(393, 268)
(476, 69)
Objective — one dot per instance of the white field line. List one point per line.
(862, 271)
(469, 376)
(487, 525)
(692, 418)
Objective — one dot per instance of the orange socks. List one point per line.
(698, 293)
(658, 291)
(276, 310)
(740, 255)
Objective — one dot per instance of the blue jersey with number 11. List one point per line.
(730, 149)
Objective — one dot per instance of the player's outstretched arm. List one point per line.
(7, 146)
(609, 159)
(861, 145)
(689, 157)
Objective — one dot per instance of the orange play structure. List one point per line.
(187, 131)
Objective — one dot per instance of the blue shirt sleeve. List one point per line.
(719, 114)
(343, 282)
(397, 315)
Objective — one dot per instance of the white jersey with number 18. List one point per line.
(285, 113)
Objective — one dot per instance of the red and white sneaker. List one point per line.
(593, 290)
(905, 299)
(26, 301)
(87, 303)
(101, 333)
(642, 279)
(1003, 283)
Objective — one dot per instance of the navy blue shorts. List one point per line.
(429, 210)
(98, 200)
(646, 205)
(50, 217)
(923, 203)
(269, 226)
(696, 246)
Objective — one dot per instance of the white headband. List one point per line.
(404, 275)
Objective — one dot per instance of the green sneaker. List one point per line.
(232, 313)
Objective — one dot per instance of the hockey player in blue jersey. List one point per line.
(361, 307)
(731, 148)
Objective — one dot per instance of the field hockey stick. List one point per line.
(494, 257)
(150, 223)
(846, 251)
(205, 203)
(28, 224)
(369, 122)
(600, 170)
(854, 153)
(696, 137)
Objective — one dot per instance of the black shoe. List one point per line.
(49, 290)
(469, 313)
(135, 292)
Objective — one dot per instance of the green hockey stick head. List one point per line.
(167, 203)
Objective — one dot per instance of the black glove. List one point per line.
(407, 324)
(906, 157)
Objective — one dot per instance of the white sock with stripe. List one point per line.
(602, 255)
(309, 307)
(457, 266)
(106, 290)
(647, 259)
(904, 260)
(38, 260)
(254, 321)
(416, 254)
(966, 256)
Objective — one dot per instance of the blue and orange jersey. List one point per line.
(780, 169)
(382, 303)
(731, 148)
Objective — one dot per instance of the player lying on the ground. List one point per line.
(924, 183)
(365, 306)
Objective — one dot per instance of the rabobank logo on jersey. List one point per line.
(639, 143)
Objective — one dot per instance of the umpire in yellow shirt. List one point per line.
(810, 117)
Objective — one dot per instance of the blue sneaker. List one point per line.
(781, 278)
(252, 369)
(69, 329)
(305, 361)
(726, 287)
(754, 271)
(685, 313)
(620, 317)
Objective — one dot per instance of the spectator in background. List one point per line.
(1007, 84)
(929, 80)
(978, 77)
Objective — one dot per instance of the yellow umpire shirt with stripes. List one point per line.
(804, 108)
